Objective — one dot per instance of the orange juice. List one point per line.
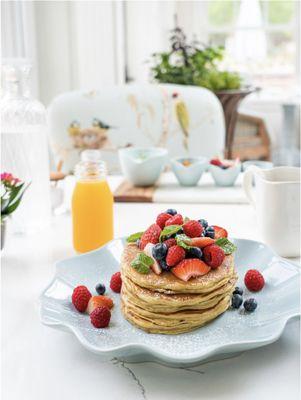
(92, 205)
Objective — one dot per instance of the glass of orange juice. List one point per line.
(92, 204)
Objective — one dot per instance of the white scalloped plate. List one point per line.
(230, 333)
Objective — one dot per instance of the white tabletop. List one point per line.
(40, 363)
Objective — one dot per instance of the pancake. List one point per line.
(169, 283)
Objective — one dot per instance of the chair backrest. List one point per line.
(187, 120)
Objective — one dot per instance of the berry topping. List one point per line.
(148, 250)
(236, 301)
(100, 288)
(238, 290)
(151, 235)
(171, 211)
(199, 242)
(254, 280)
(209, 232)
(204, 223)
(138, 243)
(189, 268)
(170, 242)
(175, 220)
(250, 305)
(161, 219)
(194, 252)
(164, 265)
(80, 298)
(193, 229)
(99, 301)
(175, 254)
(159, 251)
(220, 232)
(216, 161)
(116, 282)
(213, 255)
(100, 317)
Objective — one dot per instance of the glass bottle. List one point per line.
(92, 204)
(24, 148)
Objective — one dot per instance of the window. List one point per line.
(259, 37)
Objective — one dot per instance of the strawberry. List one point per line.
(254, 280)
(170, 242)
(151, 235)
(175, 220)
(216, 161)
(190, 267)
(98, 301)
(100, 317)
(175, 254)
(192, 228)
(116, 282)
(199, 242)
(213, 255)
(149, 251)
(161, 219)
(80, 298)
(219, 232)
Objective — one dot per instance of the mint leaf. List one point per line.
(169, 230)
(182, 241)
(226, 245)
(134, 237)
(141, 263)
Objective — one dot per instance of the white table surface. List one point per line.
(40, 363)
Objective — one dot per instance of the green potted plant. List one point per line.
(12, 191)
(196, 64)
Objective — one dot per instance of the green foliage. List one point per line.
(280, 12)
(11, 197)
(193, 64)
(221, 12)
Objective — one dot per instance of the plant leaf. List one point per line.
(134, 237)
(226, 245)
(142, 263)
(169, 230)
(181, 239)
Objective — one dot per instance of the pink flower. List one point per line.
(8, 178)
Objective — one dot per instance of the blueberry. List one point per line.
(238, 290)
(236, 301)
(209, 232)
(138, 243)
(194, 252)
(100, 288)
(164, 266)
(159, 251)
(171, 211)
(250, 305)
(204, 223)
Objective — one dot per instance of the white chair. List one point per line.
(187, 120)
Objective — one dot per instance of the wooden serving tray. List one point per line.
(126, 192)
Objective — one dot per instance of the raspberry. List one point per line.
(116, 282)
(161, 219)
(216, 161)
(175, 220)
(254, 280)
(80, 298)
(170, 242)
(100, 317)
(213, 255)
(193, 229)
(175, 255)
(151, 235)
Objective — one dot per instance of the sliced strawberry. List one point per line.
(199, 241)
(216, 161)
(99, 301)
(219, 232)
(190, 267)
(155, 267)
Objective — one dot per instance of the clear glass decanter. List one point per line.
(24, 148)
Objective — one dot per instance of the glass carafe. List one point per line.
(24, 148)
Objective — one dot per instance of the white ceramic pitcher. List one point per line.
(276, 199)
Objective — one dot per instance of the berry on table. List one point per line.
(219, 232)
(175, 254)
(238, 290)
(192, 228)
(100, 317)
(209, 232)
(161, 219)
(170, 242)
(250, 305)
(151, 235)
(254, 280)
(80, 298)
(100, 288)
(159, 251)
(116, 282)
(175, 220)
(216, 161)
(194, 252)
(236, 301)
(171, 211)
(98, 301)
(190, 267)
(204, 223)
(213, 255)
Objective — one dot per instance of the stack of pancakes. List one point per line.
(165, 304)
